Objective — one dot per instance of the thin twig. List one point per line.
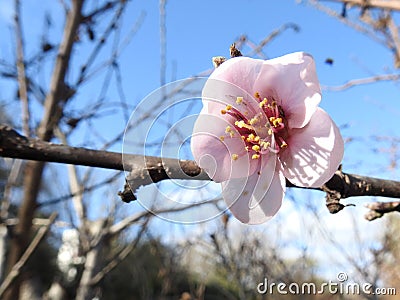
(74, 185)
(15, 271)
(362, 81)
(163, 41)
(22, 80)
(394, 33)
(378, 209)
(120, 256)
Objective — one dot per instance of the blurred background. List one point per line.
(73, 72)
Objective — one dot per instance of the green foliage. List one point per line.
(149, 272)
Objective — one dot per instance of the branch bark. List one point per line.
(146, 170)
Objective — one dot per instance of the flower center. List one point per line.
(263, 132)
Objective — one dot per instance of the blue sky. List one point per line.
(199, 30)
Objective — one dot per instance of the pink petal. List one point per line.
(314, 152)
(258, 198)
(234, 78)
(292, 80)
(214, 155)
(240, 71)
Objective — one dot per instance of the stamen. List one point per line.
(250, 138)
(263, 103)
(228, 107)
(235, 156)
(255, 156)
(276, 121)
(222, 138)
(256, 148)
(223, 111)
(254, 120)
(242, 124)
(239, 100)
(265, 145)
(283, 143)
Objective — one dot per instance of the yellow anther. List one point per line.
(265, 145)
(284, 145)
(255, 156)
(264, 102)
(257, 94)
(222, 138)
(250, 138)
(256, 148)
(231, 134)
(228, 129)
(256, 138)
(228, 107)
(273, 103)
(275, 121)
(270, 131)
(239, 100)
(239, 124)
(235, 156)
(254, 120)
(242, 124)
(247, 148)
(243, 137)
(223, 111)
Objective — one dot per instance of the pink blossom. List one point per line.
(260, 124)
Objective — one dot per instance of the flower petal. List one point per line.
(214, 154)
(256, 199)
(292, 80)
(234, 78)
(314, 152)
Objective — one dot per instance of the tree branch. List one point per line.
(378, 209)
(362, 81)
(55, 99)
(22, 79)
(382, 4)
(149, 169)
(15, 271)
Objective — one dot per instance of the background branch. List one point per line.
(15, 271)
(383, 4)
(22, 79)
(361, 81)
(58, 94)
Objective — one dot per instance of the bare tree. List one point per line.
(59, 122)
